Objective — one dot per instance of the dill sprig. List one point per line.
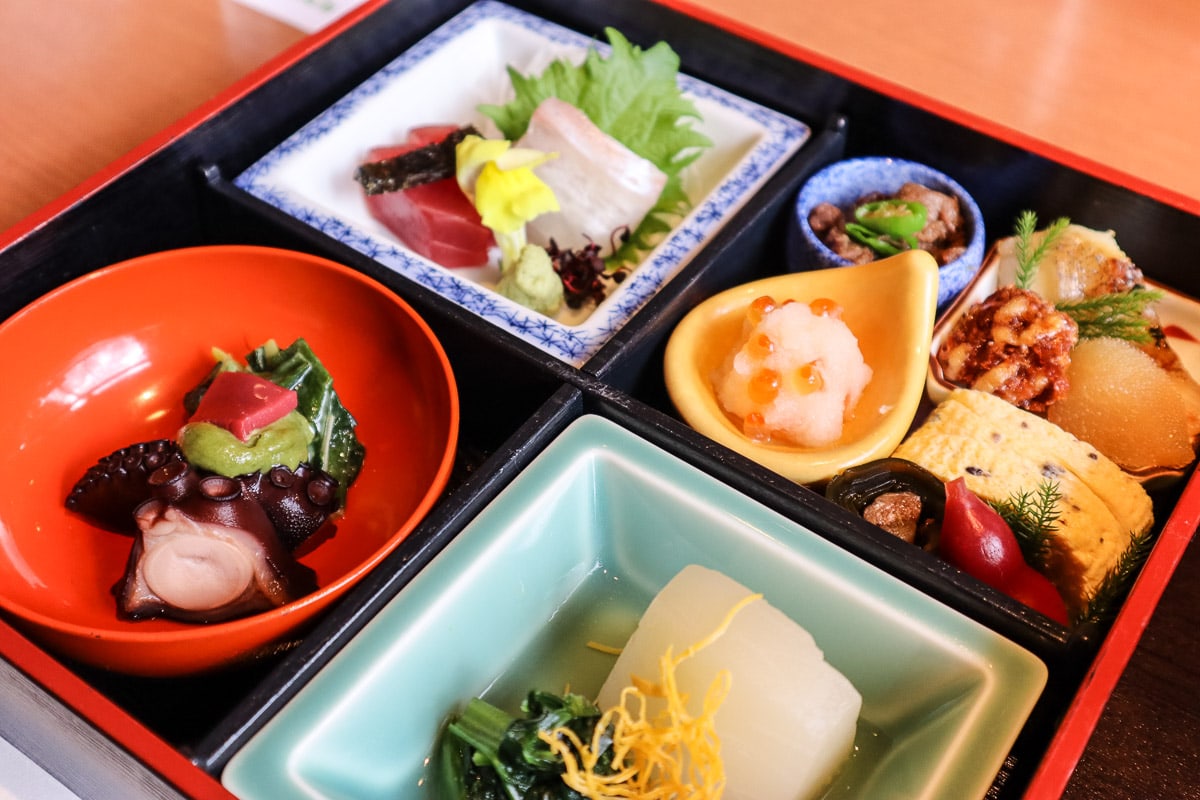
(1120, 316)
(1028, 255)
(1102, 605)
(1033, 517)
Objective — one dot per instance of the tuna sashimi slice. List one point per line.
(601, 185)
(435, 220)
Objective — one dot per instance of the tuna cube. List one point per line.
(242, 403)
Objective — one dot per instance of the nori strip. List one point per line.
(433, 162)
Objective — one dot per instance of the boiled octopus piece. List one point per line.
(298, 502)
(114, 486)
(206, 553)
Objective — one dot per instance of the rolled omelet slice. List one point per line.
(1040, 439)
(1002, 450)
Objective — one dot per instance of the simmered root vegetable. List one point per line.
(786, 704)
(1125, 406)
(715, 690)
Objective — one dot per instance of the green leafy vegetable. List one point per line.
(633, 96)
(336, 448)
(488, 754)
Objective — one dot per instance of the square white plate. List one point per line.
(442, 79)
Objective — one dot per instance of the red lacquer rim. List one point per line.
(71, 690)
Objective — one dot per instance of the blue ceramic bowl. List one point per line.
(844, 182)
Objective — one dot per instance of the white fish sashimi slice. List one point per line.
(789, 720)
(601, 185)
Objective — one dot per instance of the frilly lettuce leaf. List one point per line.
(632, 95)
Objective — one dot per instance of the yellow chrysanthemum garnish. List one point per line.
(506, 192)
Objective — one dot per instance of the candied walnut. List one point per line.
(1014, 345)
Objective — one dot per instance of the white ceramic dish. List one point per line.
(572, 551)
(442, 79)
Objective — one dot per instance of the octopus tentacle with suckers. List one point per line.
(297, 501)
(207, 548)
(115, 485)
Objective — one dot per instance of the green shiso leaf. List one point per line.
(633, 96)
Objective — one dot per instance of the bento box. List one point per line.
(260, 171)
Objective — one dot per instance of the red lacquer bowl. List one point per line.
(103, 362)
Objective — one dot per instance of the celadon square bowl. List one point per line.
(572, 551)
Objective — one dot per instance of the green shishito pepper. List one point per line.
(888, 226)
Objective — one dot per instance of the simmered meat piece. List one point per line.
(828, 222)
(944, 235)
(898, 513)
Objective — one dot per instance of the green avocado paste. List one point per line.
(211, 447)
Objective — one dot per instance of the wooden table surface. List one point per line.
(1110, 84)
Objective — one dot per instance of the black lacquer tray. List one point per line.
(183, 195)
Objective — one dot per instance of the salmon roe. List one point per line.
(763, 387)
(760, 308)
(760, 346)
(808, 378)
(825, 307)
(755, 426)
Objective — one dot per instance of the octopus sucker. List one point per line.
(298, 501)
(204, 552)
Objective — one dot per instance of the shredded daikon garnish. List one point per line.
(668, 755)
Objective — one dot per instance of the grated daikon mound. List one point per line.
(788, 722)
(799, 413)
(1123, 404)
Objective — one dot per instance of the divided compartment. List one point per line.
(515, 397)
(575, 546)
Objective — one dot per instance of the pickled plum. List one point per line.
(1125, 406)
